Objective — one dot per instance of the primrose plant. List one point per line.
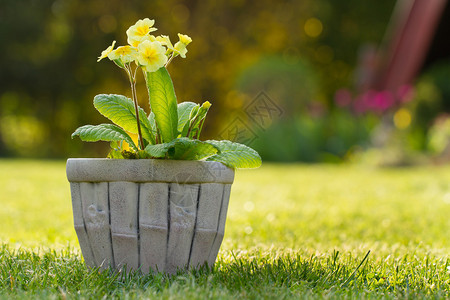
(170, 130)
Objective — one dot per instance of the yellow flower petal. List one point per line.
(151, 55)
(125, 54)
(180, 48)
(165, 40)
(184, 38)
(106, 52)
(206, 105)
(140, 31)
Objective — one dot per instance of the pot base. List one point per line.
(149, 226)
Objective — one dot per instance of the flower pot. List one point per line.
(149, 214)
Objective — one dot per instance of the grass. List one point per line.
(293, 231)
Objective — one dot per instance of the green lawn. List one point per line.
(293, 231)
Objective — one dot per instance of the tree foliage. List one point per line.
(49, 76)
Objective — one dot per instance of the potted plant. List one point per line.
(159, 201)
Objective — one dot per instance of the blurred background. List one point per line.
(310, 81)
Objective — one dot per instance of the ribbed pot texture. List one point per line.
(149, 215)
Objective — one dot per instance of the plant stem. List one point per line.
(170, 59)
(133, 93)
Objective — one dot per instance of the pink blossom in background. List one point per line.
(383, 100)
(373, 100)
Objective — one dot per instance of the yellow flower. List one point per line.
(106, 52)
(125, 54)
(180, 47)
(206, 105)
(151, 55)
(140, 31)
(184, 38)
(165, 41)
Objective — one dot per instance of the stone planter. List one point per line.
(149, 215)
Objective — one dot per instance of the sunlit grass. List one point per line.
(35, 204)
(343, 207)
(292, 231)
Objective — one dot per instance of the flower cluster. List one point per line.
(377, 101)
(171, 130)
(148, 51)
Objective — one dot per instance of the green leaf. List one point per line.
(194, 112)
(163, 103)
(120, 110)
(235, 155)
(116, 150)
(185, 131)
(182, 149)
(103, 132)
(151, 119)
(187, 149)
(184, 111)
(143, 155)
(197, 118)
(154, 128)
(116, 145)
(115, 154)
(158, 150)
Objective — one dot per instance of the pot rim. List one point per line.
(147, 170)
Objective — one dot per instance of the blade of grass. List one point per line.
(356, 270)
